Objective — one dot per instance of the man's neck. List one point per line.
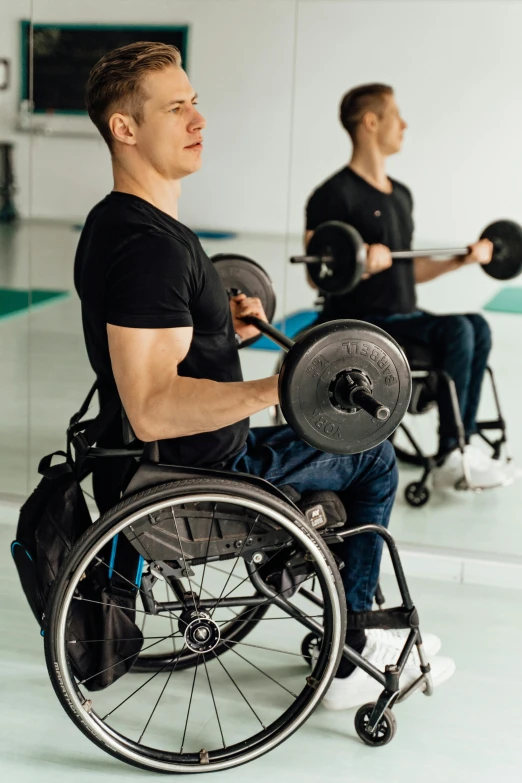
(150, 186)
(370, 164)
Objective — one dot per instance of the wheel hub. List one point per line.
(202, 633)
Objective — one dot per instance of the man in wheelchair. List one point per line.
(380, 208)
(161, 333)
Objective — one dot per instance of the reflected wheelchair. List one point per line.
(428, 383)
(231, 571)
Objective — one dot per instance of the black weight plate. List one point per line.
(306, 379)
(506, 236)
(239, 273)
(346, 247)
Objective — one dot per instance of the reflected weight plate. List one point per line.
(240, 273)
(306, 382)
(345, 246)
(506, 236)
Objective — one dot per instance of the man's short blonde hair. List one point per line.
(116, 81)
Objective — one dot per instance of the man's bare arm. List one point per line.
(427, 269)
(162, 404)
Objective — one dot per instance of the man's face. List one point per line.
(170, 134)
(390, 127)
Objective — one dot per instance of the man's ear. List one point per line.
(369, 121)
(122, 127)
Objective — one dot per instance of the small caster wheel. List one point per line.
(310, 647)
(385, 730)
(416, 494)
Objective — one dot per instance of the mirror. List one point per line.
(458, 158)
(15, 259)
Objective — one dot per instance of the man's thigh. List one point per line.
(278, 455)
(421, 328)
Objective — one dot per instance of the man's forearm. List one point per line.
(190, 406)
(427, 269)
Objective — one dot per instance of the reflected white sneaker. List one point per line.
(396, 638)
(483, 471)
(449, 472)
(359, 688)
(478, 459)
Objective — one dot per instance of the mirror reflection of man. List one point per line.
(380, 208)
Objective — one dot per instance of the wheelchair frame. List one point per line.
(374, 722)
(416, 493)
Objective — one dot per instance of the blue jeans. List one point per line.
(460, 345)
(366, 484)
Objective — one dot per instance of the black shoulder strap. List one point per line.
(84, 406)
(84, 434)
(97, 426)
(49, 471)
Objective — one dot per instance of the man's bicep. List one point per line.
(145, 363)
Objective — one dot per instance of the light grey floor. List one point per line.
(45, 375)
(470, 729)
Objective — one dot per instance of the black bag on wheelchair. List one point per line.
(51, 521)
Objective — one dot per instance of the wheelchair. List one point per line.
(231, 573)
(428, 381)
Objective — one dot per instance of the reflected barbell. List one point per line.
(336, 254)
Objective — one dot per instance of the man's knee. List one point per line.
(386, 463)
(482, 331)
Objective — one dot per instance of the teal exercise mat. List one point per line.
(507, 300)
(15, 301)
(290, 325)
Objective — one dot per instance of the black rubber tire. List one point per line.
(416, 494)
(386, 729)
(160, 761)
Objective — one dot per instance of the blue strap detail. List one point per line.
(113, 555)
(17, 543)
(139, 571)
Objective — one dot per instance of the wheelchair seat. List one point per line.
(419, 356)
(321, 509)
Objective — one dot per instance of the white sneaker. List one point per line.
(483, 471)
(396, 639)
(359, 688)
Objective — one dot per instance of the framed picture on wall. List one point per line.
(62, 56)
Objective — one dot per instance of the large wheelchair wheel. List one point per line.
(239, 699)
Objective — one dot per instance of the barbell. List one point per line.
(336, 254)
(344, 386)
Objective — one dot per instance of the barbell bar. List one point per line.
(336, 254)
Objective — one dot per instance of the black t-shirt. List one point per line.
(137, 267)
(380, 218)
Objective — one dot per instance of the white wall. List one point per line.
(240, 62)
(456, 66)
